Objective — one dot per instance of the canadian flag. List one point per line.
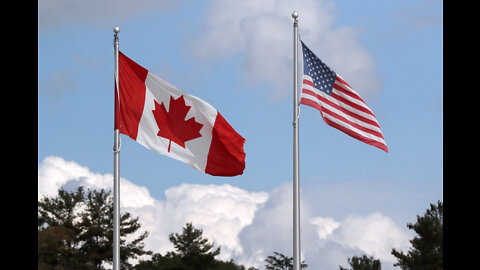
(164, 119)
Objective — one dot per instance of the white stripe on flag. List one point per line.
(337, 102)
(347, 125)
(365, 134)
(355, 120)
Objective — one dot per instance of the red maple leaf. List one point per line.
(172, 124)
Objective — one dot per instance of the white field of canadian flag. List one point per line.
(173, 123)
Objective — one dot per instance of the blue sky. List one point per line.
(237, 56)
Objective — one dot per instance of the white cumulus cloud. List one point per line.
(326, 243)
(55, 172)
(374, 234)
(263, 32)
(325, 226)
(249, 226)
(222, 211)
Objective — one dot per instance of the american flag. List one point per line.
(340, 106)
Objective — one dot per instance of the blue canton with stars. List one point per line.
(323, 77)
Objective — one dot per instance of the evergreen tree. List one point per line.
(426, 252)
(75, 231)
(193, 249)
(281, 262)
(363, 263)
(97, 239)
(230, 265)
(170, 261)
(192, 252)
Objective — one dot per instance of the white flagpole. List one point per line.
(296, 175)
(116, 171)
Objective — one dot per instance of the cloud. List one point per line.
(55, 172)
(374, 234)
(325, 226)
(249, 226)
(222, 211)
(271, 230)
(325, 243)
(262, 31)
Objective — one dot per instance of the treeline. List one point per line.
(75, 231)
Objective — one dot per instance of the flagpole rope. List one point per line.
(298, 115)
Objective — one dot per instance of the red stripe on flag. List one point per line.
(344, 100)
(356, 135)
(311, 103)
(317, 106)
(226, 156)
(342, 109)
(347, 131)
(347, 92)
(308, 82)
(353, 124)
(342, 81)
(353, 105)
(132, 95)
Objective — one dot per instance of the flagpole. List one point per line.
(116, 170)
(296, 176)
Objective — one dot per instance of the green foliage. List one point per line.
(426, 252)
(193, 249)
(75, 231)
(230, 265)
(281, 262)
(192, 252)
(170, 261)
(58, 235)
(363, 263)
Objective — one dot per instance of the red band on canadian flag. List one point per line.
(132, 95)
(164, 119)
